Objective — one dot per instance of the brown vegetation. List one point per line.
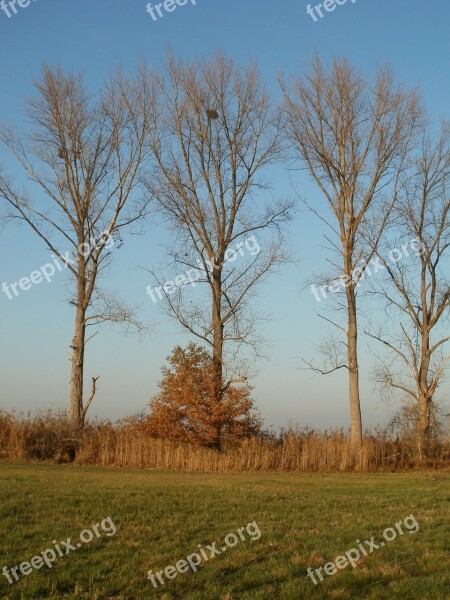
(125, 444)
(187, 408)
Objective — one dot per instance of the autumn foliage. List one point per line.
(187, 410)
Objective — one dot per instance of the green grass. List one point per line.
(161, 517)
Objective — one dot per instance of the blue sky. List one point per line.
(92, 37)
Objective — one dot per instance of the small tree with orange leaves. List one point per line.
(186, 409)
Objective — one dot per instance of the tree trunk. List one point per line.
(424, 433)
(353, 374)
(76, 382)
(217, 351)
(424, 399)
(77, 414)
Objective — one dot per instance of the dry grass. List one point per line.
(124, 444)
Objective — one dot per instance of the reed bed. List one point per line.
(49, 437)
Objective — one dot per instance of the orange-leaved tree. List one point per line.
(187, 410)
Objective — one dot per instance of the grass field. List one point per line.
(161, 517)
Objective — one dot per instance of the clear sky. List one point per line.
(92, 36)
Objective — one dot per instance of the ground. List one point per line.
(305, 520)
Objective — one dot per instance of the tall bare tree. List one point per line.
(213, 133)
(417, 286)
(84, 155)
(352, 138)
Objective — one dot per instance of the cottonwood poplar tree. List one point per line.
(82, 156)
(353, 138)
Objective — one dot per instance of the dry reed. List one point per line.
(124, 444)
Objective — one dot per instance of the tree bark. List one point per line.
(424, 426)
(353, 373)
(77, 413)
(217, 358)
(424, 388)
(76, 383)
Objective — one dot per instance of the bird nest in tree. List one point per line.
(212, 113)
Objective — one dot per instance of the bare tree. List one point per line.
(213, 134)
(352, 139)
(417, 287)
(84, 156)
